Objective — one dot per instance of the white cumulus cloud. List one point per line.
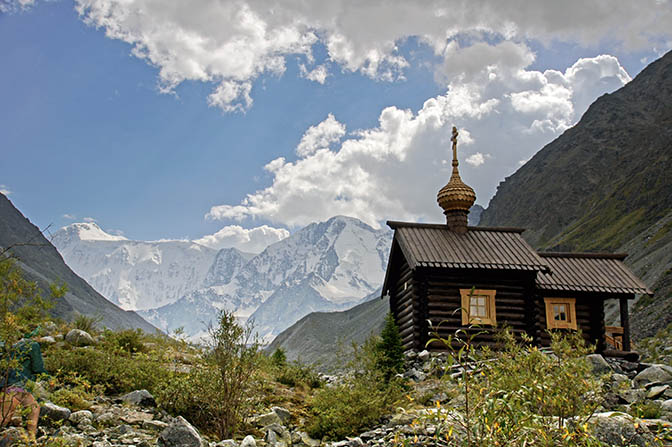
(477, 159)
(391, 170)
(318, 74)
(320, 136)
(253, 240)
(231, 44)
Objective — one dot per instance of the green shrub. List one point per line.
(216, 394)
(297, 374)
(114, 370)
(507, 396)
(128, 340)
(194, 395)
(646, 410)
(86, 323)
(364, 397)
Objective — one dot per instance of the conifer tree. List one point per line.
(391, 359)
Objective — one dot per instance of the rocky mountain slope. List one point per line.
(42, 263)
(325, 266)
(605, 185)
(318, 337)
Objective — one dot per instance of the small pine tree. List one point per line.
(279, 358)
(391, 360)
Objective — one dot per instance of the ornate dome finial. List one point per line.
(456, 198)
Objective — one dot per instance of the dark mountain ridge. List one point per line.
(42, 263)
(606, 185)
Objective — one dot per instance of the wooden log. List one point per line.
(401, 315)
(631, 356)
(407, 331)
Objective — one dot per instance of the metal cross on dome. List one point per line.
(454, 140)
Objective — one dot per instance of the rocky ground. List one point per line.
(134, 419)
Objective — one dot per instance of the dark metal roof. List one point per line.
(589, 272)
(434, 245)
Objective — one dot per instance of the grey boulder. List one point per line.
(78, 337)
(142, 398)
(50, 413)
(620, 430)
(180, 434)
(654, 373)
(599, 364)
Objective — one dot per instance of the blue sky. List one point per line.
(169, 143)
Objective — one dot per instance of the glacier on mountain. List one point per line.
(325, 266)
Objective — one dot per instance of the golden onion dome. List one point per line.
(456, 195)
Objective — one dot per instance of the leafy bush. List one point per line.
(296, 374)
(116, 371)
(364, 397)
(127, 340)
(215, 394)
(74, 392)
(646, 410)
(507, 397)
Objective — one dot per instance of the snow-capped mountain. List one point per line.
(135, 275)
(325, 266)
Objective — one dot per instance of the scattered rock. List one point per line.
(11, 436)
(154, 425)
(226, 443)
(423, 355)
(654, 373)
(51, 413)
(180, 434)
(656, 425)
(599, 364)
(264, 420)
(667, 405)
(81, 417)
(282, 413)
(248, 441)
(620, 381)
(136, 417)
(401, 419)
(78, 337)
(619, 430)
(107, 419)
(142, 398)
(656, 391)
(47, 340)
(632, 396)
(414, 374)
(307, 440)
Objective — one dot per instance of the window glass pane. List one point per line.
(560, 312)
(478, 306)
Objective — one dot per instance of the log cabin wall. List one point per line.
(404, 304)
(440, 290)
(589, 317)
